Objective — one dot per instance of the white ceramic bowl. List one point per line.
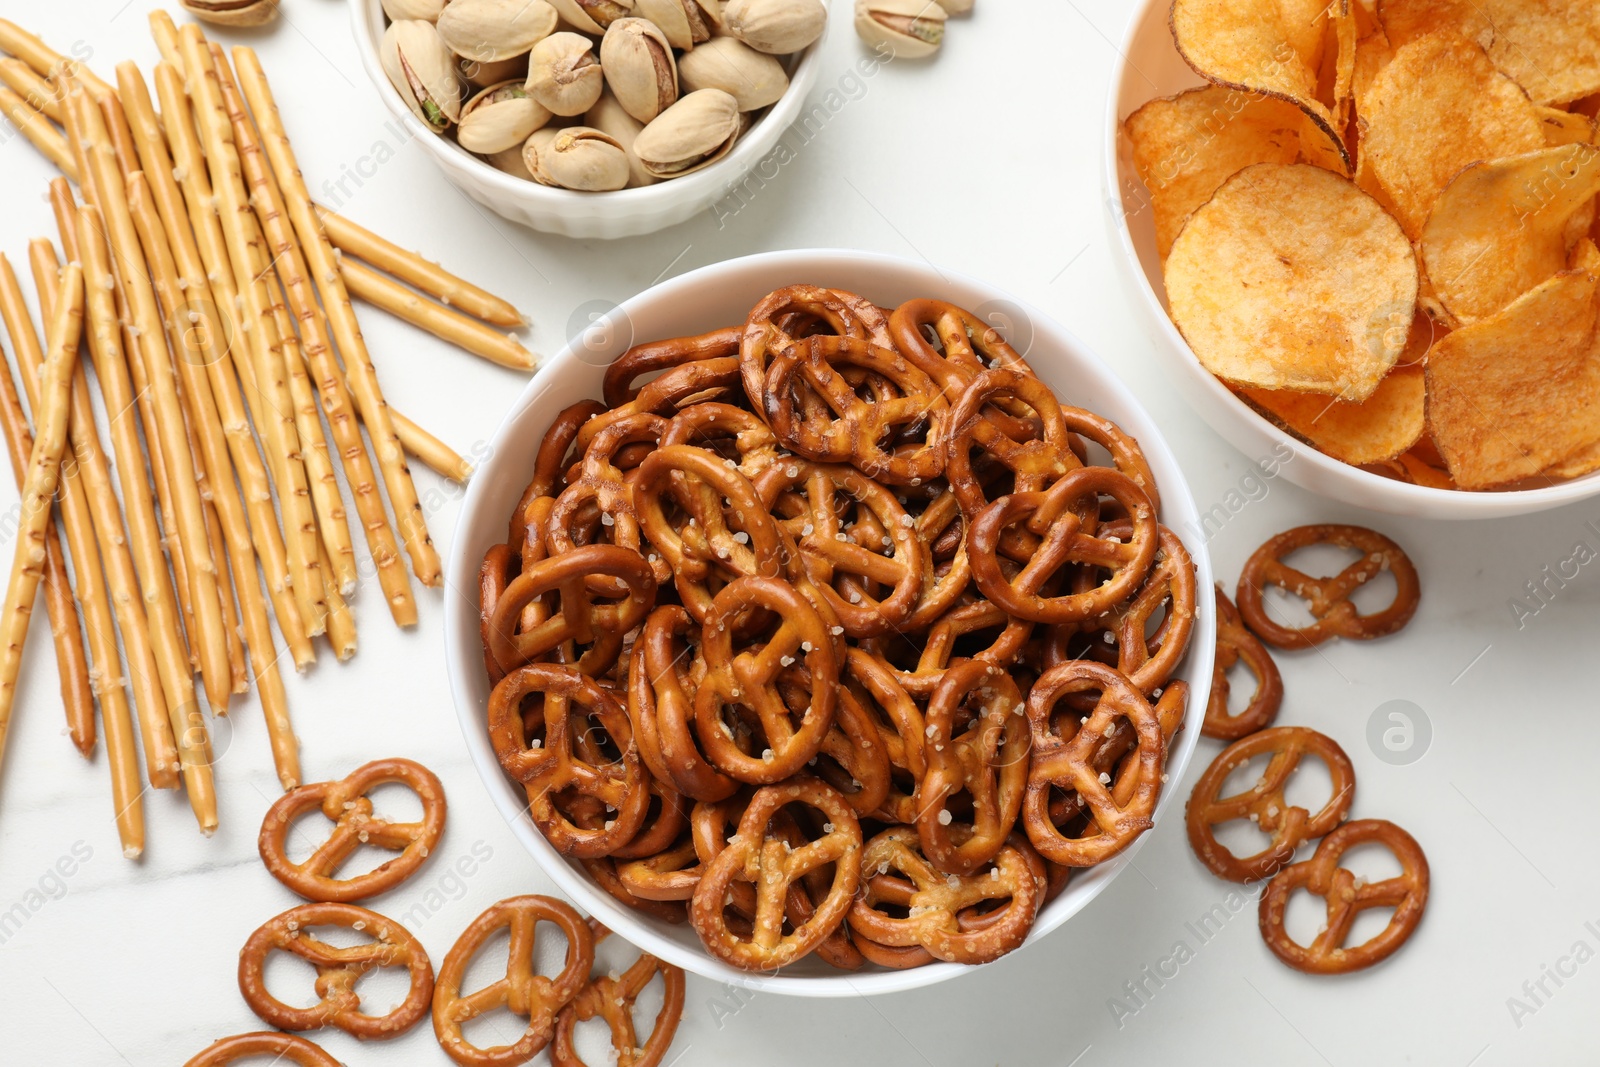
(624, 213)
(1149, 66)
(702, 300)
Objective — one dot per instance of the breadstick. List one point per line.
(461, 331)
(241, 234)
(318, 354)
(31, 87)
(37, 129)
(346, 332)
(114, 383)
(161, 754)
(189, 517)
(355, 240)
(82, 516)
(238, 672)
(214, 285)
(72, 663)
(341, 623)
(45, 60)
(165, 32)
(39, 486)
(433, 452)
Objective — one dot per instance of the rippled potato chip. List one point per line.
(1185, 146)
(1436, 106)
(1502, 227)
(1290, 277)
(1519, 392)
(1380, 427)
(1268, 46)
(1549, 47)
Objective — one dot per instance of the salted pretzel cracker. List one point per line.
(338, 969)
(655, 356)
(521, 991)
(1328, 598)
(1264, 804)
(611, 998)
(1236, 644)
(580, 617)
(283, 1048)
(1347, 897)
(1035, 463)
(764, 336)
(347, 804)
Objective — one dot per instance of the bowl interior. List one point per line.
(1149, 67)
(716, 296)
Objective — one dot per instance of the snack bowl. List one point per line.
(716, 296)
(624, 213)
(1149, 66)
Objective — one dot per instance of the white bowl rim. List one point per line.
(1412, 499)
(751, 147)
(459, 612)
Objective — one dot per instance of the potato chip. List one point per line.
(1549, 47)
(1500, 228)
(1435, 107)
(1519, 392)
(1269, 46)
(1419, 471)
(1292, 278)
(1584, 461)
(1380, 427)
(1565, 127)
(1585, 256)
(1185, 146)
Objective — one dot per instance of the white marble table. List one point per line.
(987, 161)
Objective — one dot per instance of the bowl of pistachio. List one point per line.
(593, 118)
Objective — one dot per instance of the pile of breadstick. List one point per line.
(213, 299)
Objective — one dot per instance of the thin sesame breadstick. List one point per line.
(39, 94)
(278, 426)
(72, 661)
(45, 60)
(465, 333)
(178, 684)
(358, 469)
(355, 240)
(363, 378)
(37, 129)
(39, 486)
(215, 286)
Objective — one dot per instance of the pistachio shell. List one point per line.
(423, 71)
(592, 16)
(538, 142)
(564, 75)
(753, 78)
(777, 27)
(427, 10)
(910, 29)
(232, 12)
(582, 158)
(685, 22)
(956, 7)
(502, 116)
(608, 117)
(510, 162)
(695, 132)
(639, 67)
(491, 30)
(483, 74)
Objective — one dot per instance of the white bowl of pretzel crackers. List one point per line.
(1362, 237)
(878, 733)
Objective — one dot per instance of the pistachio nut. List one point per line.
(608, 117)
(583, 158)
(695, 132)
(563, 73)
(685, 22)
(482, 74)
(910, 29)
(753, 78)
(233, 12)
(491, 30)
(510, 162)
(502, 116)
(427, 10)
(777, 27)
(593, 16)
(535, 144)
(423, 71)
(639, 67)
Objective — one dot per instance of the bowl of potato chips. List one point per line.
(1367, 235)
